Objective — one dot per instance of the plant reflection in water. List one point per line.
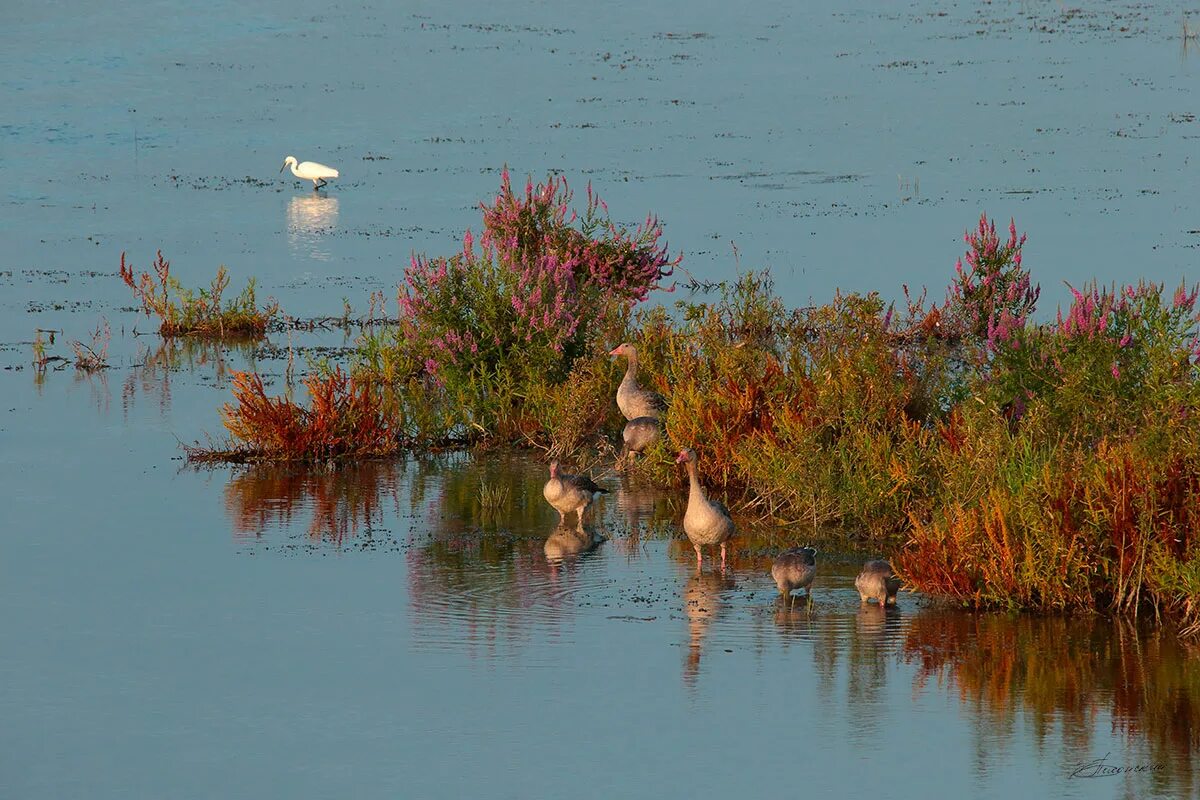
(1059, 675)
(183, 354)
(638, 507)
(521, 587)
(340, 501)
(97, 383)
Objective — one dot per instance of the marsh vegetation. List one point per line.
(1009, 458)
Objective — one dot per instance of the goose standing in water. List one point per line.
(638, 434)
(794, 569)
(567, 493)
(877, 582)
(632, 399)
(705, 521)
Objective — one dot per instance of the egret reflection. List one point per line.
(310, 219)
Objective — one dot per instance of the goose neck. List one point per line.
(631, 368)
(696, 491)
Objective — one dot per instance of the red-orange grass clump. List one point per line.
(940, 558)
(151, 291)
(345, 420)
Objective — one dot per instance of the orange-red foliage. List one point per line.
(345, 420)
(151, 297)
(1114, 537)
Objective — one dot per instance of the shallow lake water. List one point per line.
(369, 632)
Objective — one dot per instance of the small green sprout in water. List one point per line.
(493, 500)
(94, 356)
(184, 312)
(39, 352)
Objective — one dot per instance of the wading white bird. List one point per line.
(309, 171)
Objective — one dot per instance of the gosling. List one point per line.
(794, 569)
(877, 582)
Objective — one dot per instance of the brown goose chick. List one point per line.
(632, 399)
(705, 521)
(877, 582)
(639, 434)
(794, 569)
(567, 493)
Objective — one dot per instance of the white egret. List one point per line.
(310, 171)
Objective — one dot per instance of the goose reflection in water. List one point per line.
(795, 618)
(567, 541)
(870, 647)
(702, 603)
(310, 219)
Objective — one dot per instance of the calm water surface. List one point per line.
(370, 632)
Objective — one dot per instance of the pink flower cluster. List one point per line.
(604, 256)
(1185, 300)
(455, 343)
(545, 302)
(993, 296)
(1089, 315)
(1125, 317)
(421, 281)
(1097, 313)
(539, 275)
